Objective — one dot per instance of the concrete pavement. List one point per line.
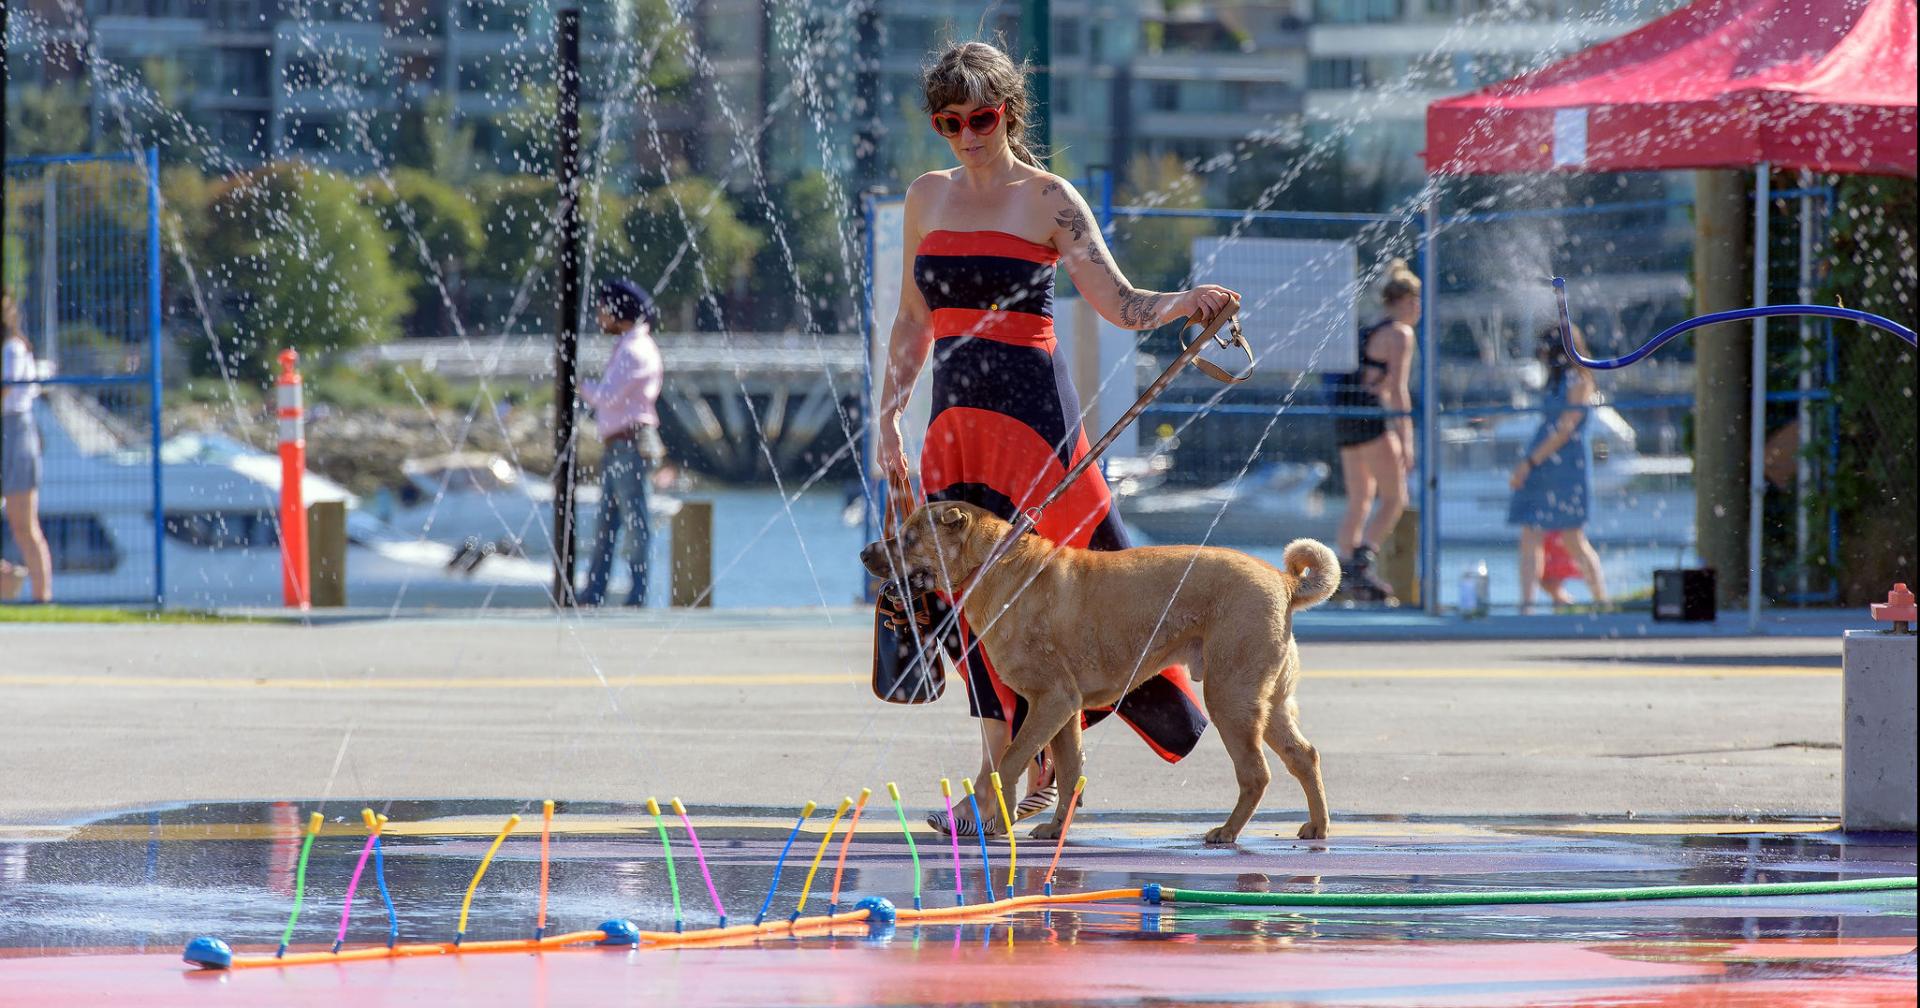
(770, 709)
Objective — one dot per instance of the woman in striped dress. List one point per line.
(978, 296)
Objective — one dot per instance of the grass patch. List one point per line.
(116, 614)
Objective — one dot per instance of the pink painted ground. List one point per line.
(1837, 973)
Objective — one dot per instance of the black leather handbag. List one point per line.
(907, 667)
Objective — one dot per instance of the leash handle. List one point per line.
(1215, 371)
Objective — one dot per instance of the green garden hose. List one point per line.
(1494, 897)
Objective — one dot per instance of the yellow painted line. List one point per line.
(1622, 671)
(615, 825)
(1684, 828)
(354, 682)
(408, 683)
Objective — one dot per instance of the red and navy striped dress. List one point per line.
(1006, 427)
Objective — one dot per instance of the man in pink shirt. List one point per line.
(623, 401)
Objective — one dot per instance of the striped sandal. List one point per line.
(1039, 800)
(967, 828)
(1043, 797)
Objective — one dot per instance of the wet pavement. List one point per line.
(99, 910)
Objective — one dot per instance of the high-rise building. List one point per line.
(241, 81)
(727, 84)
(1375, 65)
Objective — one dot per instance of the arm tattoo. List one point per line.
(1073, 220)
(1138, 308)
(1050, 188)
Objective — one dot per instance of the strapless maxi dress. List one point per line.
(1004, 429)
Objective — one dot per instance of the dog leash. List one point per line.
(1189, 354)
(1029, 517)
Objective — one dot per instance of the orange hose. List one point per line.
(669, 939)
(421, 949)
(841, 865)
(1073, 802)
(546, 831)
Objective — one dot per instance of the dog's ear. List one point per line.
(954, 517)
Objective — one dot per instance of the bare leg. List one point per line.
(1303, 762)
(1240, 725)
(993, 741)
(1359, 482)
(1068, 764)
(23, 517)
(1045, 717)
(1588, 560)
(1530, 554)
(1382, 459)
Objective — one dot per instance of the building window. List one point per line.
(1062, 96)
(1066, 37)
(1163, 96)
(241, 72)
(237, 14)
(242, 131)
(313, 135)
(1356, 11)
(1340, 73)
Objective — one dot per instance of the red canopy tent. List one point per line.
(1826, 85)
(1821, 85)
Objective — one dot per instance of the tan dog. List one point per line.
(1070, 629)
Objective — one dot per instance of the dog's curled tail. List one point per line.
(1317, 569)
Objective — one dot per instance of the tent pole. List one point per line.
(1803, 419)
(1429, 434)
(1757, 402)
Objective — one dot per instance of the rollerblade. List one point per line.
(1358, 580)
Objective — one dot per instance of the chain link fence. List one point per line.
(82, 261)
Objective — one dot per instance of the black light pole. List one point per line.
(1036, 34)
(566, 342)
(4, 72)
(866, 96)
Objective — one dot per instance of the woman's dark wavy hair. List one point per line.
(977, 73)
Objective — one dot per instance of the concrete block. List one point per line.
(1878, 736)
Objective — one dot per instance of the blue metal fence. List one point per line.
(82, 257)
(1486, 296)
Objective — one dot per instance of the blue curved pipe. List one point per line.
(1765, 311)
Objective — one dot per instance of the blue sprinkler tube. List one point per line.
(1735, 315)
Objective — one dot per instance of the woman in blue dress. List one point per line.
(1553, 482)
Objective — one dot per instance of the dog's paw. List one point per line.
(1221, 836)
(1045, 831)
(1313, 831)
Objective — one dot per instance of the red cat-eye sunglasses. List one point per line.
(981, 121)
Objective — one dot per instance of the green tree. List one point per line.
(50, 119)
(430, 136)
(297, 260)
(519, 216)
(447, 223)
(1157, 252)
(819, 268)
(677, 231)
(1871, 266)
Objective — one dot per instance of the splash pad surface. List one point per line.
(101, 910)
